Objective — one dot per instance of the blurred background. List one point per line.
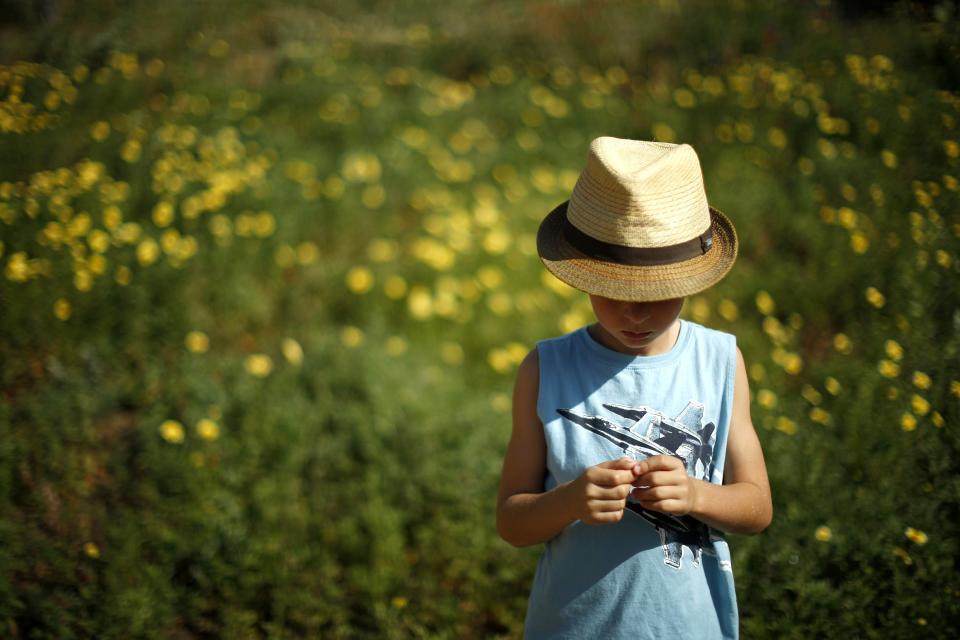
(267, 268)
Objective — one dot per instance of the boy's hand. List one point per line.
(663, 485)
(599, 495)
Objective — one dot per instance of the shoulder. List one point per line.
(529, 369)
(708, 333)
(546, 353)
(713, 341)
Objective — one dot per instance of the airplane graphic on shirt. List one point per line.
(652, 433)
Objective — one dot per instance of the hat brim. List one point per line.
(632, 282)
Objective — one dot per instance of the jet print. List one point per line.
(652, 433)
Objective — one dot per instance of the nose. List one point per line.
(636, 312)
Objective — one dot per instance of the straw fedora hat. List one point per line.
(637, 225)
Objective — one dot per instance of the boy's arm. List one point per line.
(526, 514)
(742, 503)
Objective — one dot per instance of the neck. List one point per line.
(658, 346)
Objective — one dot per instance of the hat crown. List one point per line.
(637, 193)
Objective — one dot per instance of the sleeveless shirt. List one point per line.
(651, 575)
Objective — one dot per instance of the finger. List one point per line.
(609, 517)
(660, 463)
(606, 506)
(623, 462)
(653, 494)
(618, 492)
(611, 477)
(660, 478)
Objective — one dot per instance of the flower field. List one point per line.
(266, 273)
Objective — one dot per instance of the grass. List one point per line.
(267, 273)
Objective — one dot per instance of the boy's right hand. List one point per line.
(599, 495)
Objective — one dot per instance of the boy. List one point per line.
(638, 412)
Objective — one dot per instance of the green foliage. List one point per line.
(264, 287)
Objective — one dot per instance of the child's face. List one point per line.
(637, 328)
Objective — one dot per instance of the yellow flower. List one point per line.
(130, 151)
(292, 351)
(792, 363)
(765, 303)
(823, 533)
(766, 398)
(700, 310)
(218, 48)
(727, 310)
(307, 253)
(197, 342)
(61, 309)
(921, 380)
(359, 279)
(99, 240)
(382, 250)
(684, 98)
(395, 346)
(893, 349)
(819, 416)
(91, 549)
(500, 402)
(786, 425)
(399, 602)
(373, 196)
(888, 369)
(955, 388)
(937, 419)
(499, 360)
(420, 303)
(859, 243)
(83, 280)
(147, 252)
(777, 137)
(500, 303)
(208, 429)
(18, 269)
(490, 277)
(951, 148)
(351, 336)
(842, 343)
(123, 275)
(557, 286)
(920, 405)
(258, 364)
(361, 167)
(832, 385)
(451, 353)
(903, 555)
(847, 218)
(908, 422)
(889, 159)
(811, 395)
(100, 130)
(395, 287)
(162, 214)
(171, 431)
(663, 132)
(916, 536)
(875, 298)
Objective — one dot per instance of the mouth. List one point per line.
(638, 335)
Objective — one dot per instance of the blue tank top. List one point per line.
(650, 575)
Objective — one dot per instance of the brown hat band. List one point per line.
(637, 256)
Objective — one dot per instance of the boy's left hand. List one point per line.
(663, 485)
